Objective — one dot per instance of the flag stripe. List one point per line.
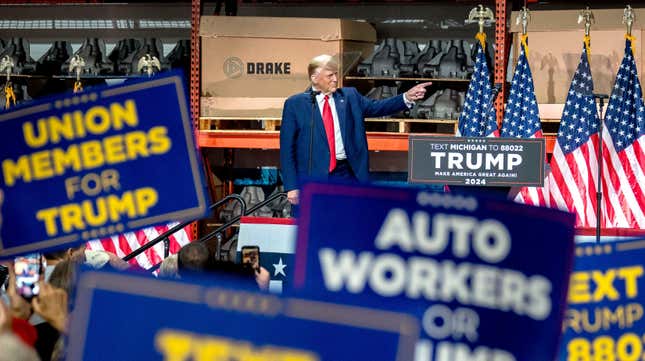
(565, 198)
(573, 187)
(522, 120)
(478, 117)
(624, 198)
(574, 163)
(629, 157)
(614, 176)
(623, 188)
(584, 177)
(154, 254)
(572, 176)
(611, 203)
(124, 244)
(590, 152)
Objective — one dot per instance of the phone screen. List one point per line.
(4, 273)
(251, 256)
(27, 269)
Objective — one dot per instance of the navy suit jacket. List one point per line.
(295, 133)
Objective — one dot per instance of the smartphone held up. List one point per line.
(28, 269)
(251, 257)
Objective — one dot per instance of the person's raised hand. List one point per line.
(117, 263)
(262, 278)
(293, 196)
(417, 92)
(5, 318)
(18, 306)
(51, 305)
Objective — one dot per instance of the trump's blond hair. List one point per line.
(323, 61)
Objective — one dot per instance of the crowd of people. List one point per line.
(36, 328)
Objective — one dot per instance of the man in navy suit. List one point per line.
(337, 148)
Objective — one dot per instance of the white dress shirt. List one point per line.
(338, 138)
(340, 148)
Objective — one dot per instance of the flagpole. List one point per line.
(601, 120)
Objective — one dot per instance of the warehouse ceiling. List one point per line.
(171, 19)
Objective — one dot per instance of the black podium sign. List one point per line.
(490, 162)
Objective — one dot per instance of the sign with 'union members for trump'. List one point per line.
(81, 166)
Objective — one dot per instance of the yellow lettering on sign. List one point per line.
(92, 154)
(174, 346)
(604, 285)
(137, 144)
(630, 275)
(13, 170)
(91, 184)
(75, 125)
(87, 155)
(183, 346)
(114, 149)
(599, 285)
(627, 347)
(208, 349)
(66, 159)
(112, 208)
(603, 318)
(159, 141)
(579, 288)
(41, 165)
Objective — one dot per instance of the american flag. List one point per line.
(522, 120)
(574, 164)
(622, 156)
(478, 118)
(276, 238)
(124, 244)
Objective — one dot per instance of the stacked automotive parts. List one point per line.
(397, 64)
(60, 68)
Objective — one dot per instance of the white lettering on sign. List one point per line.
(476, 161)
(391, 275)
(419, 277)
(489, 239)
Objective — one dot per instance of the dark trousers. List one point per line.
(343, 172)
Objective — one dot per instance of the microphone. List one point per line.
(313, 94)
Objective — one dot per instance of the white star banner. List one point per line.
(276, 239)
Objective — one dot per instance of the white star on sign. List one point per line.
(279, 268)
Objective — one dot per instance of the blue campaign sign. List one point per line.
(486, 277)
(187, 320)
(80, 166)
(604, 319)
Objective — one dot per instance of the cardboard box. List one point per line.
(250, 65)
(555, 44)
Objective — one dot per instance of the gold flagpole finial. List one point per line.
(483, 16)
(523, 18)
(76, 65)
(150, 64)
(586, 16)
(628, 19)
(6, 66)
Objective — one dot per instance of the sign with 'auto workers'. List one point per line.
(482, 275)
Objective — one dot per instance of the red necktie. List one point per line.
(328, 121)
